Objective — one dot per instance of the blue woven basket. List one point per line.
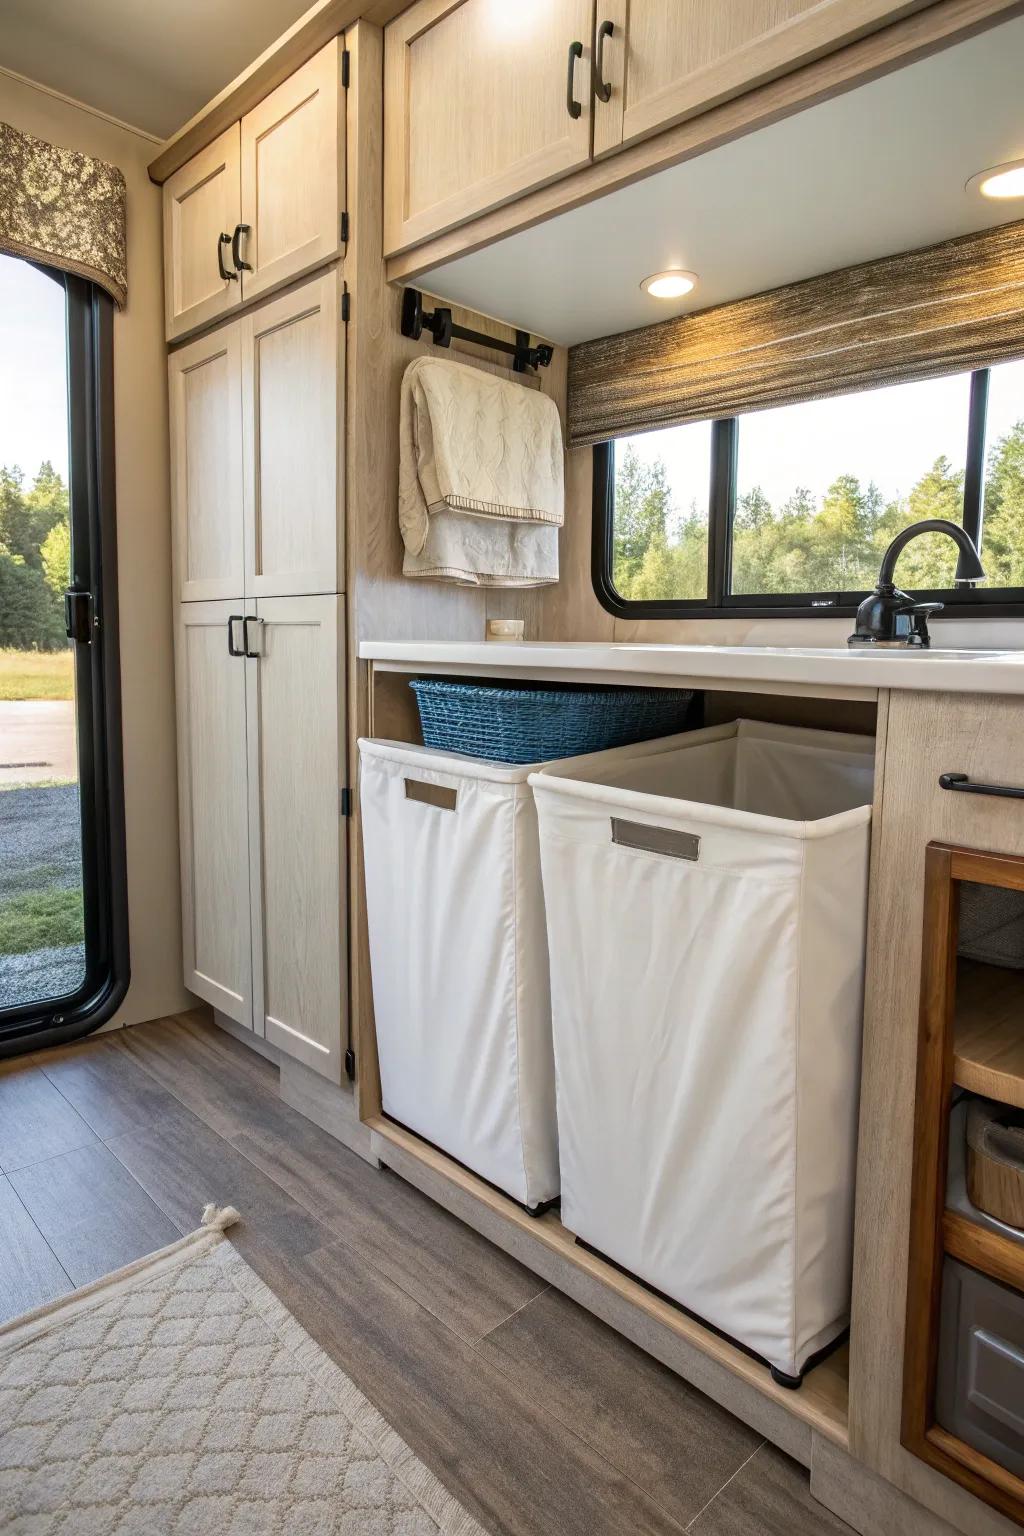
(534, 725)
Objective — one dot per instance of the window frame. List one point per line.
(720, 603)
(97, 667)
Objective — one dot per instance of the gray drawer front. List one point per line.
(980, 1388)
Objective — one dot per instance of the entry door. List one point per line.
(201, 207)
(297, 834)
(214, 830)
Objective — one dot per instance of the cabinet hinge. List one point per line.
(350, 1065)
(346, 304)
(346, 68)
(344, 227)
(346, 802)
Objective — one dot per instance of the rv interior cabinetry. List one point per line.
(255, 481)
(476, 115)
(262, 204)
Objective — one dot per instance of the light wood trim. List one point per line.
(989, 1035)
(979, 1247)
(304, 38)
(931, 1137)
(942, 23)
(821, 1401)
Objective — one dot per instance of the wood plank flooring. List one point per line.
(538, 1418)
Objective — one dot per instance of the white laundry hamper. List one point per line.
(458, 953)
(706, 901)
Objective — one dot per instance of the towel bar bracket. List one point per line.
(416, 320)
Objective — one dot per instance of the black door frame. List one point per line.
(90, 351)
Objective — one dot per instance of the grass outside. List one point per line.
(40, 920)
(36, 675)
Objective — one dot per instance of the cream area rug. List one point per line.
(179, 1397)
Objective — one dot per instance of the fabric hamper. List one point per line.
(458, 954)
(706, 900)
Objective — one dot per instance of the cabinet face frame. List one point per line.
(193, 240)
(507, 180)
(818, 31)
(312, 100)
(322, 1050)
(229, 530)
(319, 301)
(228, 740)
(934, 1231)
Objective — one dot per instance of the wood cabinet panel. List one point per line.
(205, 395)
(293, 174)
(201, 203)
(477, 107)
(213, 817)
(293, 407)
(296, 753)
(669, 59)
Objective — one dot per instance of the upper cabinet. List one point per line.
(263, 203)
(486, 101)
(483, 102)
(659, 61)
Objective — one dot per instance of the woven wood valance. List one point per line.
(943, 309)
(63, 209)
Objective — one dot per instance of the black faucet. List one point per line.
(892, 617)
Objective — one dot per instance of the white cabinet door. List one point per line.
(201, 211)
(205, 388)
(213, 812)
(297, 833)
(293, 408)
(293, 174)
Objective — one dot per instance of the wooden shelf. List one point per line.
(989, 1032)
(991, 1253)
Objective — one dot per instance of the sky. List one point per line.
(33, 369)
(888, 435)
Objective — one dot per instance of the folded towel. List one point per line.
(481, 493)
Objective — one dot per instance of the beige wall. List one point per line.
(144, 551)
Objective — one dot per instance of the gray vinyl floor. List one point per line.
(541, 1420)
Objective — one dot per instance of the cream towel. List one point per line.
(481, 494)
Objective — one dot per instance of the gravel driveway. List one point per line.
(39, 850)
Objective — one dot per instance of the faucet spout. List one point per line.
(891, 617)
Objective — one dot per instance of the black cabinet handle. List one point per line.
(226, 276)
(602, 90)
(236, 252)
(233, 619)
(247, 649)
(572, 106)
(966, 786)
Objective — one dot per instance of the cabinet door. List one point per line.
(293, 174)
(477, 108)
(296, 757)
(670, 59)
(201, 204)
(214, 829)
(205, 390)
(292, 409)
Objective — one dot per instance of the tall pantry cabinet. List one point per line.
(256, 415)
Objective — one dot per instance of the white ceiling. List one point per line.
(151, 63)
(876, 171)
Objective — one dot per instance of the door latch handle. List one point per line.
(226, 276)
(78, 616)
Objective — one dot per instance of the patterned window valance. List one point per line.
(63, 209)
(946, 308)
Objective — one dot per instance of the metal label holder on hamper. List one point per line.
(665, 840)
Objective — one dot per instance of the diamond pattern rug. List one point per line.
(179, 1397)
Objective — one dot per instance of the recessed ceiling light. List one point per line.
(669, 285)
(999, 180)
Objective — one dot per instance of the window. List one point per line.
(63, 924)
(790, 510)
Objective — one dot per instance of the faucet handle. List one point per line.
(919, 614)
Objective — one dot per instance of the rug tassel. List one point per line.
(219, 1217)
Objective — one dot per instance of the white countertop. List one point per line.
(830, 671)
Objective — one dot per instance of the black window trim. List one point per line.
(90, 333)
(1000, 602)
